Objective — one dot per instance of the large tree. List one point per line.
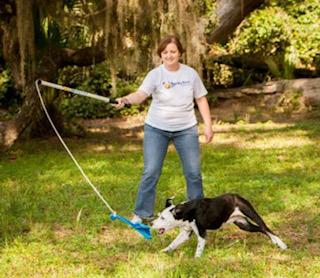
(32, 52)
(30, 56)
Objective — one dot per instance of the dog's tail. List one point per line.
(248, 210)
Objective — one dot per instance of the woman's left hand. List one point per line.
(208, 133)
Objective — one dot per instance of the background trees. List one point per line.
(66, 40)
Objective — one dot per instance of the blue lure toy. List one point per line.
(143, 229)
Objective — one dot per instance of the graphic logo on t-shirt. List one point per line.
(169, 85)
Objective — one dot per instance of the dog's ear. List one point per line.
(176, 212)
(169, 202)
(184, 211)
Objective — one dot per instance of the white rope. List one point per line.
(69, 152)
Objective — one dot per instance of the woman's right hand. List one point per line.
(121, 102)
(131, 99)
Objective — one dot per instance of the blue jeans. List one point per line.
(155, 146)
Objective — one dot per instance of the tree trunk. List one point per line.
(28, 113)
(19, 47)
(19, 51)
(230, 14)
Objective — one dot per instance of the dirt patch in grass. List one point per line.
(61, 232)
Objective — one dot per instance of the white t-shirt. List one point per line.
(173, 93)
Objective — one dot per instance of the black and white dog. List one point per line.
(209, 214)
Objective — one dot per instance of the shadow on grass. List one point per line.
(276, 186)
(37, 200)
(312, 129)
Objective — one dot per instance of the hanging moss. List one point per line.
(26, 39)
(134, 27)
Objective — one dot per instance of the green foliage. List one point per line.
(68, 23)
(126, 87)
(4, 86)
(9, 97)
(305, 17)
(85, 108)
(265, 32)
(92, 79)
(54, 32)
(290, 101)
(207, 10)
(288, 32)
(95, 80)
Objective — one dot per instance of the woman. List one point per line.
(171, 117)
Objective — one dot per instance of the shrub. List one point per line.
(287, 32)
(95, 80)
(9, 97)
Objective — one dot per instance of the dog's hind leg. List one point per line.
(245, 225)
(277, 241)
(247, 209)
(183, 236)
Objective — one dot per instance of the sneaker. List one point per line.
(136, 219)
(148, 220)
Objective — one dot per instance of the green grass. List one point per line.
(53, 225)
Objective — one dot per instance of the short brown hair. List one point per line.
(169, 39)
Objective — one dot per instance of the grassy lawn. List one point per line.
(53, 225)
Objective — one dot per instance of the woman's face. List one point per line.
(170, 56)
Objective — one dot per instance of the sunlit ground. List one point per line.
(53, 225)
